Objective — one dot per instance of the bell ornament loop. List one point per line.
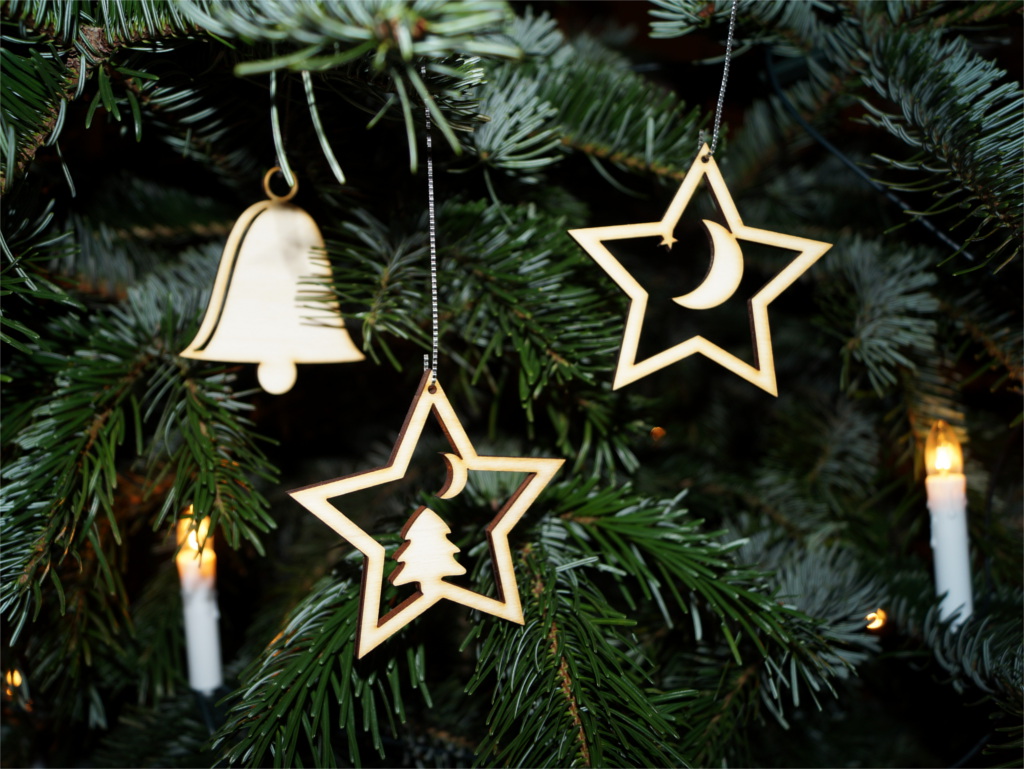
(270, 193)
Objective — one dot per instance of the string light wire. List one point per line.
(856, 169)
(788, 105)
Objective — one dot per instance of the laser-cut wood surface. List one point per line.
(261, 310)
(710, 294)
(430, 563)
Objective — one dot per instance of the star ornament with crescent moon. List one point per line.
(721, 282)
(430, 556)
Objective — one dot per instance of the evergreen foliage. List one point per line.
(695, 581)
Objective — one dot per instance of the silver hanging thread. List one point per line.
(725, 79)
(432, 364)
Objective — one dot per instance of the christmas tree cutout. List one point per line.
(427, 555)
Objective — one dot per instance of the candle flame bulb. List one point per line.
(191, 536)
(196, 549)
(14, 681)
(876, 619)
(942, 455)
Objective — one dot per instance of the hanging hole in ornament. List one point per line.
(271, 194)
(706, 158)
(276, 376)
(432, 389)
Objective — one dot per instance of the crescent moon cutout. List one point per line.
(724, 274)
(458, 474)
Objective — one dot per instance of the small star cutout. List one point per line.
(438, 560)
(721, 282)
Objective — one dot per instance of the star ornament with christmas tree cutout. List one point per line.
(427, 556)
(720, 283)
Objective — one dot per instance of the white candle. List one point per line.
(198, 573)
(947, 502)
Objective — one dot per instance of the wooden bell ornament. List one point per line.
(264, 307)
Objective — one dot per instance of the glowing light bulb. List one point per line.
(196, 547)
(876, 619)
(197, 568)
(14, 679)
(942, 455)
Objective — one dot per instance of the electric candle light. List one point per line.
(197, 568)
(876, 619)
(947, 502)
(13, 679)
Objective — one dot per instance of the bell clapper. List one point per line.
(276, 376)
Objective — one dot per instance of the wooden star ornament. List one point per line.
(427, 556)
(720, 283)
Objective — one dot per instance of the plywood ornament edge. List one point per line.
(720, 283)
(373, 629)
(255, 312)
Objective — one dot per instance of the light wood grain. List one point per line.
(428, 556)
(261, 309)
(723, 285)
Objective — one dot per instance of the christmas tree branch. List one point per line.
(601, 107)
(884, 318)
(584, 96)
(96, 403)
(958, 145)
(26, 125)
(794, 24)
(984, 652)
(627, 161)
(60, 490)
(86, 48)
(520, 136)
(291, 676)
(379, 271)
(114, 26)
(628, 533)
(168, 734)
(85, 662)
(217, 461)
(387, 36)
(715, 718)
(999, 336)
(578, 685)
(567, 689)
(519, 319)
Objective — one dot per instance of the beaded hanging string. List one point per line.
(430, 363)
(721, 90)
